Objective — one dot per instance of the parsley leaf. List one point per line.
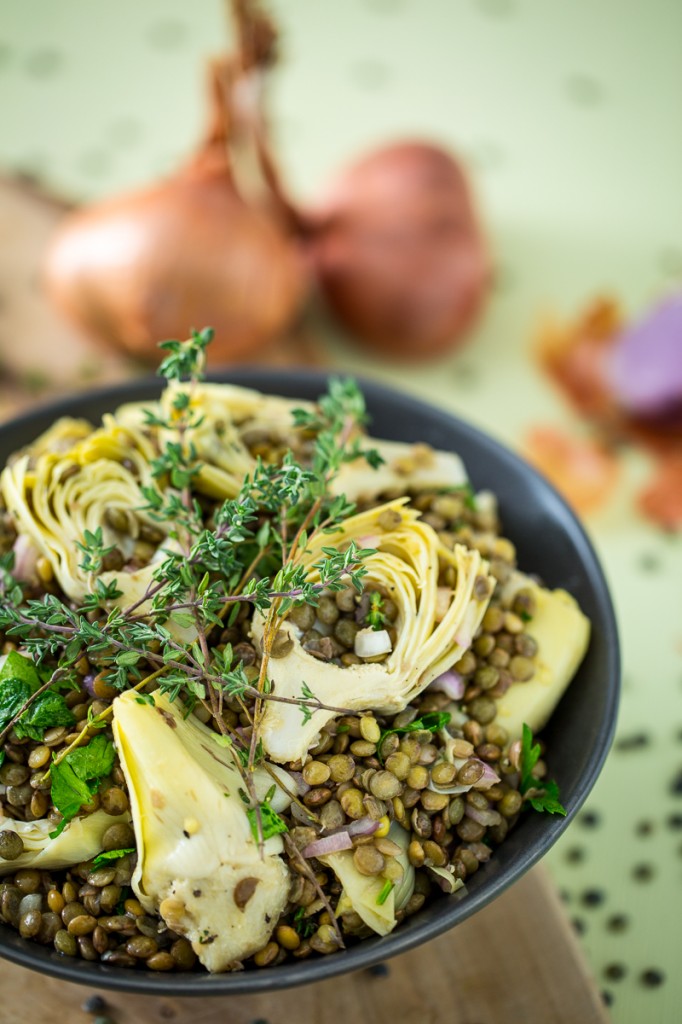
(108, 855)
(542, 795)
(19, 679)
(94, 761)
(271, 822)
(385, 893)
(13, 695)
(16, 666)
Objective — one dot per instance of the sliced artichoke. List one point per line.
(56, 495)
(81, 840)
(361, 893)
(415, 467)
(562, 633)
(430, 638)
(198, 863)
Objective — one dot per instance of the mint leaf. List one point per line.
(543, 795)
(271, 822)
(13, 695)
(102, 858)
(94, 761)
(69, 792)
(76, 779)
(16, 666)
(48, 711)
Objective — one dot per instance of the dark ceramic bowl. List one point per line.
(550, 542)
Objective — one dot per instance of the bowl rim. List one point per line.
(462, 905)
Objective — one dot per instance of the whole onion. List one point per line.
(399, 252)
(186, 252)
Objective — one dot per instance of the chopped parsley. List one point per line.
(541, 794)
(76, 779)
(432, 721)
(271, 822)
(19, 680)
(385, 892)
(103, 858)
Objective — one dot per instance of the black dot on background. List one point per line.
(44, 63)
(369, 74)
(636, 741)
(615, 972)
(652, 977)
(593, 897)
(167, 34)
(575, 855)
(94, 1004)
(644, 828)
(579, 925)
(583, 90)
(618, 923)
(676, 784)
(607, 997)
(649, 562)
(467, 373)
(379, 971)
(565, 895)
(643, 872)
(675, 822)
(589, 819)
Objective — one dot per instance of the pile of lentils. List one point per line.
(354, 772)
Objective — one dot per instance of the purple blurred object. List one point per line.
(646, 363)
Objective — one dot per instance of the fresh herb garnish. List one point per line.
(375, 616)
(103, 858)
(432, 721)
(305, 926)
(541, 794)
(19, 680)
(385, 892)
(76, 778)
(271, 823)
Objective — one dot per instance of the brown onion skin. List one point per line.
(185, 253)
(400, 256)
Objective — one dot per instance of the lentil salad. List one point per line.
(385, 807)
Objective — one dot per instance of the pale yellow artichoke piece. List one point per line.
(80, 840)
(198, 863)
(406, 566)
(57, 496)
(361, 893)
(562, 633)
(415, 467)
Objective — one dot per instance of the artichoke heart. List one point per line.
(415, 467)
(55, 493)
(562, 633)
(430, 637)
(199, 865)
(81, 840)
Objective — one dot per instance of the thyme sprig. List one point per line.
(247, 550)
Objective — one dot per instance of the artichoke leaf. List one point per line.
(361, 893)
(58, 495)
(198, 862)
(80, 840)
(406, 467)
(406, 566)
(562, 633)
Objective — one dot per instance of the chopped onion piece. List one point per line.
(450, 683)
(328, 844)
(483, 817)
(445, 879)
(371, 642)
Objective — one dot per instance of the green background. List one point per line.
(568, 115)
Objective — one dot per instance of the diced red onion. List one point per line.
(450, 683)
(302, 786)
(360, 827)
(483, 817)
(88, 683)
(488, 779)
(481, 852)
(26, 556)
(362, 609)
(328, 844)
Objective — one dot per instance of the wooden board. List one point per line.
(516, 962)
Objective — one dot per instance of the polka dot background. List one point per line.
(568, 116)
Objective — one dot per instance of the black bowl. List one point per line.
(550, 542)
